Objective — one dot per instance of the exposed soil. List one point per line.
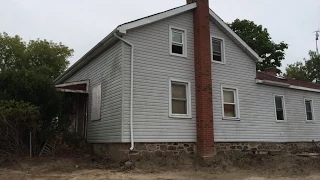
(253, 167)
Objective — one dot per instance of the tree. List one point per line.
(258, 38)
(47, 58)
(297, 71)
(308, 71)
(27, 71)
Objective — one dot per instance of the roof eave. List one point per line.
(145, 21)
(244, 45)
(286, 85)
(122, 29)
(84, 59)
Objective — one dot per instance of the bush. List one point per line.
(17, 119)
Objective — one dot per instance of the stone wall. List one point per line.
(121, 152)
(267, 147)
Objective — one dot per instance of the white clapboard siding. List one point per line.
(257, 111)
(105, 70)
(153, 66)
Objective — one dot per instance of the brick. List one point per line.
(203, 79)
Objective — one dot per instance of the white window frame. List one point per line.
(223, 50)
(96, 89)
(312, 109)
(184, 41)
(236, 99)
(283, 107)
(188, 96)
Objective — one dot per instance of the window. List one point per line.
(178, 42)
(180, 99)
(280, 108)
(217, 50)
(230, 103)
(96, 103)
(309, 109)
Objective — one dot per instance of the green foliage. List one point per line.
(38, 90)
(27, 71)
(297, 71)
(44, 57)
(258, 38)
(308, 71)
(17, 119)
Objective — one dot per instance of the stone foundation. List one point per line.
(150, 151)
(121, 152)
(267, 147)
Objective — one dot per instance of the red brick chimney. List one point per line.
(271, 71)
(203, 79)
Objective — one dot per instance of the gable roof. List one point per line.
(263, 78)
(123, 28)
(234, 36)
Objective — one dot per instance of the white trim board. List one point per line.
(223, 50)
(236, 99)
(286, 85)
(157, 17)
(184, 41)
(312, 109)
(73, 83)
(72, 91)
(188, 96)
(283, 108)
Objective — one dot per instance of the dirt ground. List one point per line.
(240, 168)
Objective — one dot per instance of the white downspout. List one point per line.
(131, 91)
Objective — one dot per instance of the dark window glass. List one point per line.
(309, 109)
(216, 49)
(177, 49)
(280, 115)
(279, 108)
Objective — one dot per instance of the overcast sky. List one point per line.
(81, 24)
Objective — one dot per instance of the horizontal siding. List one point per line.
(107, 70)
(257, 104)
(153, 66)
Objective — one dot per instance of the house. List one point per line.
(182, 82)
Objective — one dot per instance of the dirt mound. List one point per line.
(288, 165)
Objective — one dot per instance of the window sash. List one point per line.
(182, 37)
(309, 113)
(235, 103)
(214, 51)
(181, 44)
(215, 42)
(177, 32)
(234, 95)
(279, 109)
(185, 99)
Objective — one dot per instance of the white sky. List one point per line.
(81, 24)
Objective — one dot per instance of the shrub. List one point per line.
(17, 119)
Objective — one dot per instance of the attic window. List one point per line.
(217, 50)
(178, 42)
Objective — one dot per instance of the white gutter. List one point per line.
(131, 91)
(268, 82)
(279, 84)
